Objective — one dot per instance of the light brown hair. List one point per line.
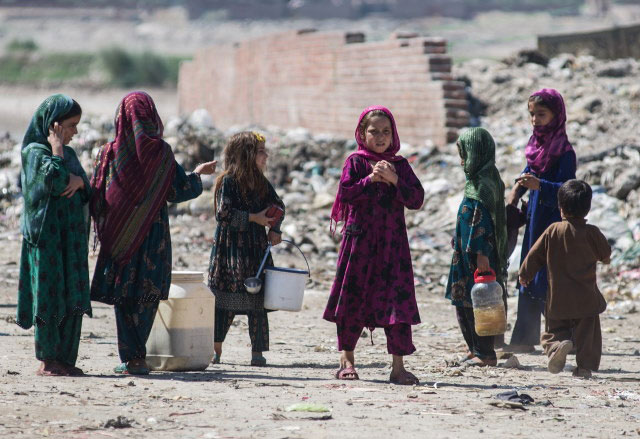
(240, 163)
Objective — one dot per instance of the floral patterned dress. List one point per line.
(374, 285)
(474, 234)
(239, 246)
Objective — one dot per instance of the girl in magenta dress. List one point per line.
(374, 285)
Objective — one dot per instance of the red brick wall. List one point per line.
(322, 81)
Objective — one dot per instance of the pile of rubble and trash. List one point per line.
(603, 107)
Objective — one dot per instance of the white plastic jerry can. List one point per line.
(182, 334)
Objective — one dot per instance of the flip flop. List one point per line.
(406, 378)
(216, 359)
(123, 369)
(347, 374)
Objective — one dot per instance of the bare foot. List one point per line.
(50, 368)
(403, 378)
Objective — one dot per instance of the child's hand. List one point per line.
(75, 184)
(207, 168)
(260, 218)
(55, 139)
(523, 282)
(386, 171)
(482, 263)
(274, 238)
(529, 181)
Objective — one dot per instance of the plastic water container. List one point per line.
(182, 334)
(488, 306)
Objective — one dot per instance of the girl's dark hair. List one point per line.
(74, 111)
(364, 123)
(574, 198)
(538, 100)
(240, 163)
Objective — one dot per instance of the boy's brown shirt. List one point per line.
(570, 249)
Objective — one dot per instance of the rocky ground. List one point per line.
(234, 400)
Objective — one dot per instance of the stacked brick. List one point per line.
(321, 81)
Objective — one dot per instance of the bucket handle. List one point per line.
(305, 258)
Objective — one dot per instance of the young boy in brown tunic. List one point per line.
(570, 249)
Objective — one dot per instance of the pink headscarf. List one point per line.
(548, 142)
(339, 210)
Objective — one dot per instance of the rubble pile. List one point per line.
(603, 104)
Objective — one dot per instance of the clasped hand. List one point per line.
(75, 184)
(384, 172)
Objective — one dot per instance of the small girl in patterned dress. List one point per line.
(242, 197)
(480, 241)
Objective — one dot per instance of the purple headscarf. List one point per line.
(548, 142)
(339, 210)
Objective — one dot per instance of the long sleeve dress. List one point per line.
(239, 246)
(147, 277)
(54, 272)
(374, 285)
(474, 235)
(542, 211)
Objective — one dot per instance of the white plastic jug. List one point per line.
(182, 334)
(284, 287)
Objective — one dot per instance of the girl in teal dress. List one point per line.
(53, 293)
(480, 241)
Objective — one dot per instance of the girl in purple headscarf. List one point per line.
(551, 161)
(374, 286)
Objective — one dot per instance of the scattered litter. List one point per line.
(507, 405)
(512, 363)
(186, 413)
(515, 396)
(119, 422)
(307, 407)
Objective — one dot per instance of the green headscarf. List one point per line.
(36, 186)
(478, 150)
(53, 107)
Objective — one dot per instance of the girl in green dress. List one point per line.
(53, 293)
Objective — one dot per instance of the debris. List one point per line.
(307, 407)
(515, 396)
(119, 422)
(511, 363)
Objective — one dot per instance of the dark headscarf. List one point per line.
(132, 177)
(36, 186)
(548, 142)
(477, 148)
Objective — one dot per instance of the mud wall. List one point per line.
(322, 81)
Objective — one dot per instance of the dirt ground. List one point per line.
(235, 400)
